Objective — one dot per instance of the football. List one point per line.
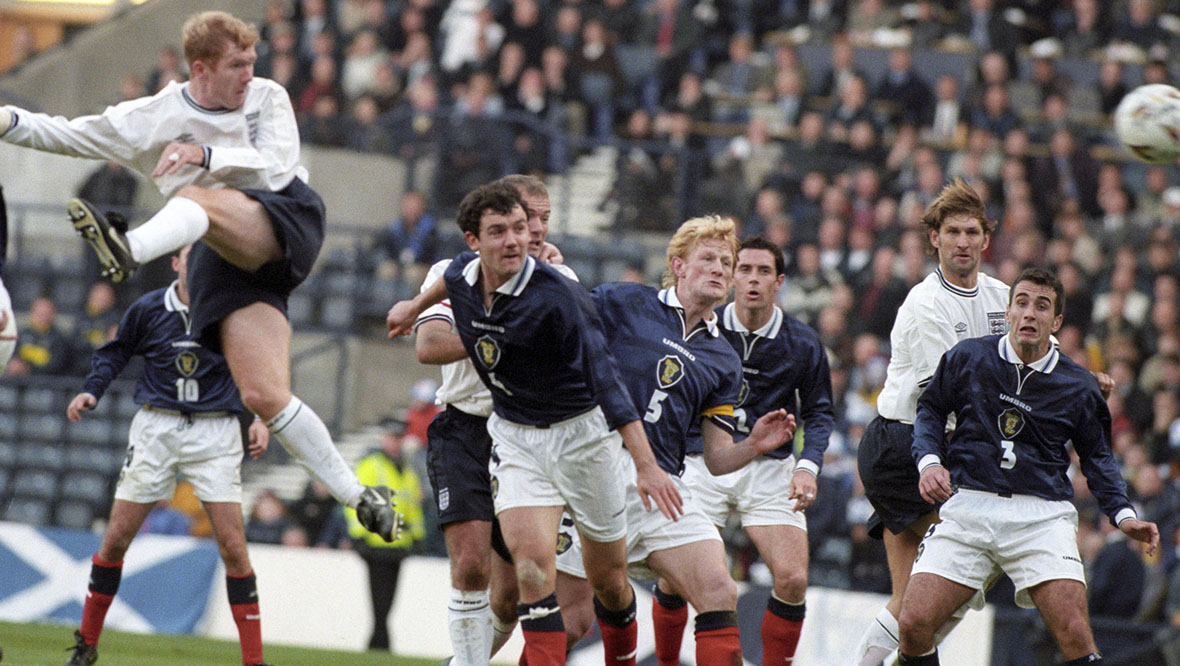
(1147, 122)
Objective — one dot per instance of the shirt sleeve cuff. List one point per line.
(1126, 513)
(11, 122)
(807, 466)
(928, 460)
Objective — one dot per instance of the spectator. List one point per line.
(599, 76)
(168, 68)
(984, 25)
(949, 117)
(422, 409)
(470, 37)
(475, 146)
(1085, 31)
(1117, 576)
(97, 323)
(879, 294)
(110, 185)
(387, 468)
(904, 89)
(363, 133)
(268, 519)
(323, 125)
(408, 243)
(42, 348)
(364, 57)
(319, 516)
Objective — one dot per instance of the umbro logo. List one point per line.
(961, 327)
(1071, 558)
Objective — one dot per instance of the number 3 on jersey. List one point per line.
(1008, 456)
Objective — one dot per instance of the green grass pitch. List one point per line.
(46, 645)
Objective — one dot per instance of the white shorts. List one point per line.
(207, 450)
(647, 531)
(574, 463)
(756, 492)
(1031, 539)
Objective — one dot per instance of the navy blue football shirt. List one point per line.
(178, 373)
(784, 365)
(675, 377)
(1014, 422)
(539, 348)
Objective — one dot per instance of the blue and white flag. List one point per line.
(165, 585)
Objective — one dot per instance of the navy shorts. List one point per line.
(890, 476)
(217, 288)
(457, 453)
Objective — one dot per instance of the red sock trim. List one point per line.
(94, 613)
(249, 621)
(116, 565)
(719, 647)
(780, 637)
(669, 626)
(620, 644)
(544, 648)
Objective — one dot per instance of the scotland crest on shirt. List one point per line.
(186, 363)
(669, 371)
(743, 392)
(1011, 422)
(488, 351)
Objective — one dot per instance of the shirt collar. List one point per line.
(172, 302)
(668, 297)
(513, 286)
(958, 291)
(769, 330)
(1044, 364)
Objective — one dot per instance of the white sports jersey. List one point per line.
(936, 315)
(254, 147)
(461, 385)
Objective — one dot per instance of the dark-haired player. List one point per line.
(1003, 475)
(537, 343)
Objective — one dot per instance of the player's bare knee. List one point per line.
(531, 575)
(470, 572)
(716, 593)
(262, 400)
(916, 630)
(791, 585)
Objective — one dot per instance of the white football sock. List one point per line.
(181, 221)
(880, 640)
(469, 618)
(950, 624)
(501, 632)
(307, 439)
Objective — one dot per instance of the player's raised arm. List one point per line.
(403, 314)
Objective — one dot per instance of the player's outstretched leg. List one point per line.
(375, 512)
(106, 233)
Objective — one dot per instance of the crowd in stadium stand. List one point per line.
(712, 107)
